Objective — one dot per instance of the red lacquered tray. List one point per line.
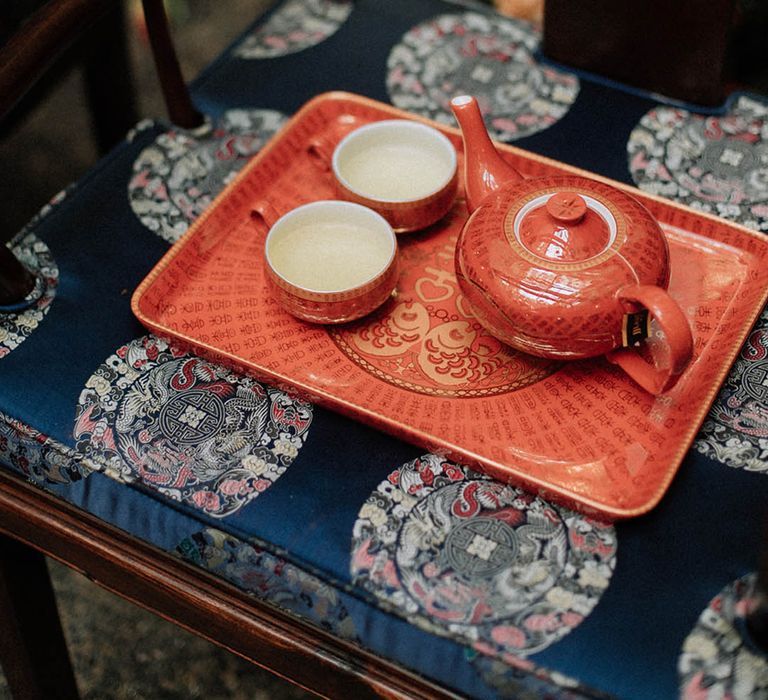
(423, 369)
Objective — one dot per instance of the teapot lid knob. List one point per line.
(568, 207)
(564, 226)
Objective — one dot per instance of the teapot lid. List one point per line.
(564, 226)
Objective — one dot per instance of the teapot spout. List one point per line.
(484, 168)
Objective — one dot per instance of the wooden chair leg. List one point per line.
(33, 651)
(181, 111)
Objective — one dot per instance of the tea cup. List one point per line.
(403, 169)
(329, 261)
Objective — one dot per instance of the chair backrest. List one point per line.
(677, 49)
(35, 48)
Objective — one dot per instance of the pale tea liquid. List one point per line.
(394, 171)
(329, 257)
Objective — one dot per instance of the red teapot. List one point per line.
(565, 267)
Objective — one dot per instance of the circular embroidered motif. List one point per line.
(295, 26)
(715, 164)
(483, 562)
(34, 255)
(428, 341)
(193, 431)
(269, 578)
(38, 457)
(716, 660)
(487, 56)
(180, 174)
(736, 429)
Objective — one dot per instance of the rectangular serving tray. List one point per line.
(422, 368)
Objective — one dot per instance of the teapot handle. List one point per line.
(677, 330)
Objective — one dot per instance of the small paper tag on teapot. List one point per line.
(636, 327)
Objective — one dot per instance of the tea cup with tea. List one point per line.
(329, 261)
(403, 169)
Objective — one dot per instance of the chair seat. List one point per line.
(479, 586)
